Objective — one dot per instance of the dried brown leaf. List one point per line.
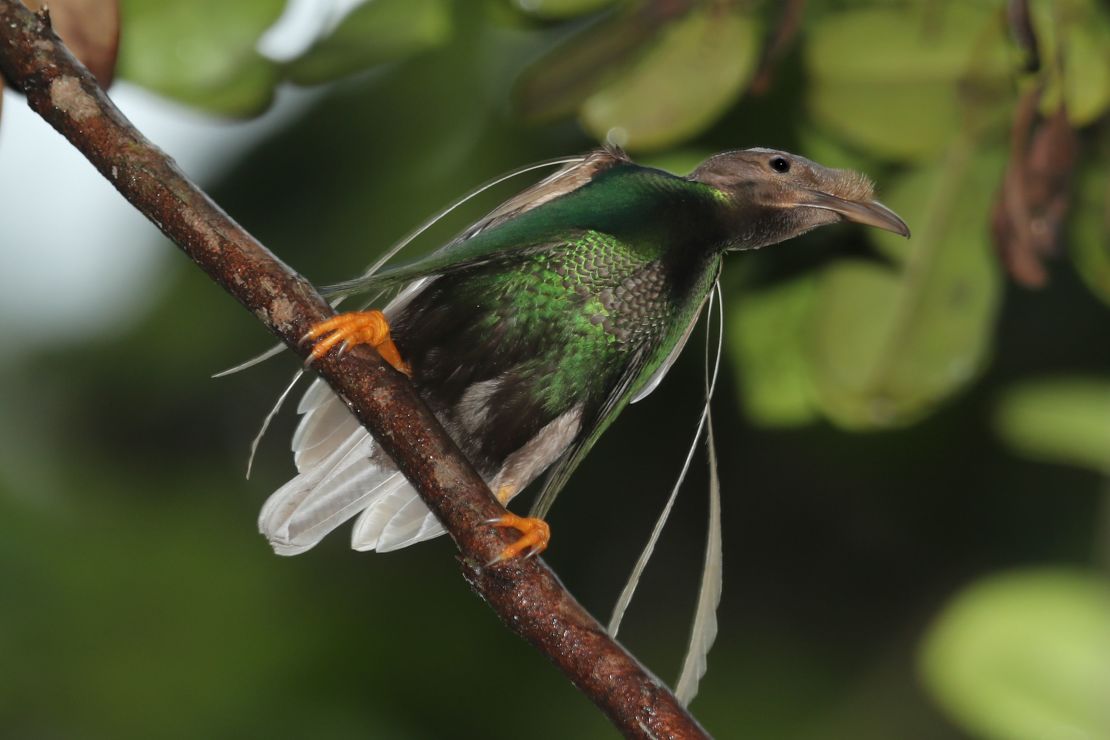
(90, 28)
(1033, 203)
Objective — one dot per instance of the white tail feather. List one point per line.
(341, 477)
(280, 520)
(339, 498)
(325, 422)
(393, 521)
(406, 526)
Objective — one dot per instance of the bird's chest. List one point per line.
(589, 298)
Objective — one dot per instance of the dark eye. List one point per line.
(780, 164)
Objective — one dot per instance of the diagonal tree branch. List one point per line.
(524, 593)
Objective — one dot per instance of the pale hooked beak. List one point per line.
(868, 213)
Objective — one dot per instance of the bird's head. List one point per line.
(773, 196)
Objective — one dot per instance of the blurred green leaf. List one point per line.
(682, 84)
(1064, 420)
(903, 84)
(1077, 32)
(555, 9)
(375, 32)
(679, 161)
(831, 151)
(1089, 240)
(889, 344)
(200, 52)
(765, 341)
(1025, 656)
(557, 84)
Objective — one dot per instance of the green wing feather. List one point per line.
(475, 245)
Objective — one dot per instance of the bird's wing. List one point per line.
(569, 164)
(572, 176)
(483, 242)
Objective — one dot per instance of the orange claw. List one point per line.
(535, 534)
(356, 327)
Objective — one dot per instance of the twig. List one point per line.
(778, 42)
(524, 593)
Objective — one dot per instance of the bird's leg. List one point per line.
(535, 533)
(356, 327)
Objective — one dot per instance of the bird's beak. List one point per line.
(868, 212)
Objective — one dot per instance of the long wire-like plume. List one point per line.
(270, 417)
(641, 563)
(429, 223)
(704, 630)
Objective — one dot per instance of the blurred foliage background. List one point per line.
(915, 435)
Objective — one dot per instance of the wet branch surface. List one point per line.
(526, 595)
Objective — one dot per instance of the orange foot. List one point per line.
(535, 534)
(356, 327)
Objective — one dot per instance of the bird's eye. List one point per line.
(780, 164)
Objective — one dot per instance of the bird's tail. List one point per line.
(342, 475)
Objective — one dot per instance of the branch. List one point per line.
(524, 593)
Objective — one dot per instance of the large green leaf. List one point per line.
(1089, 237)
(765, 342)
(1063, 420)
(682, 84)
(375, 32)
(902, 82)
(201, 52)
(554, 9)
(1075, 48)
(1025, 656)
(678, 161)
(558, 83)
(887, 344)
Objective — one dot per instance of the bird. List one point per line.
(531, 331)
